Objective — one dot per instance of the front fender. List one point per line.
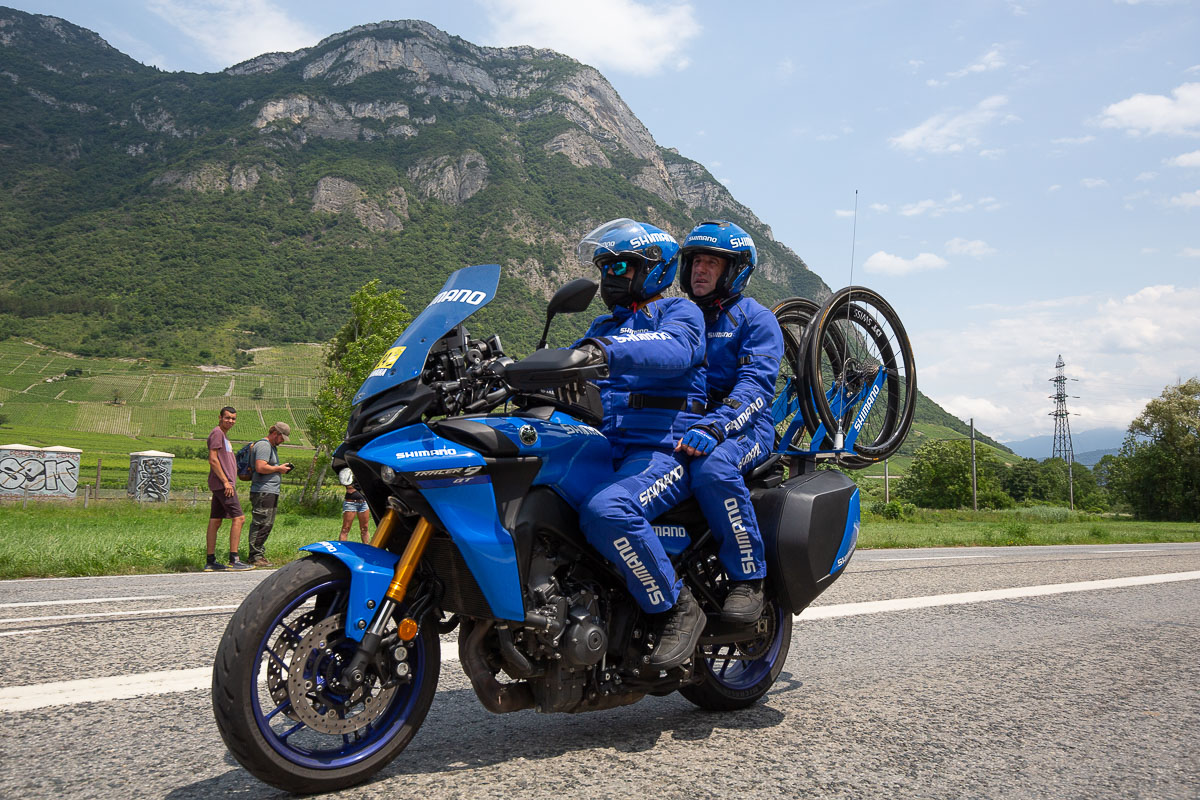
(371, 572)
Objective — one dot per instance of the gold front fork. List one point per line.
(413, 551)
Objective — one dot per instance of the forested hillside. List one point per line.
(186, 217)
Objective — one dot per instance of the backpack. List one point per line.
(245, 460)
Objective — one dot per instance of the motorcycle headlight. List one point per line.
(387, 473)
(345, 476)
(385, 417)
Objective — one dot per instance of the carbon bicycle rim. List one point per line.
(872, 377)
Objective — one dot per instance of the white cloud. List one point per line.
(880, 207)
(785, 68)
(888, 264)
(1187, 200)
(1191, 159)
(975, 247)
(1054, 188)
(652, 37)
(232, 31)
(1146, 176)
(1156, 113)
(951, 133)
(953, 204)
(1074, 139)
(843, 212)
(992, 59)
(1190, 252)
(1123, 350)
(1093, 183)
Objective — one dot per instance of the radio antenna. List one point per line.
(839, 436)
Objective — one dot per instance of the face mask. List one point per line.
(617, 290)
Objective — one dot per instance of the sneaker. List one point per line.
(238, 565)
(679, 633)
(261, 562)
(744, 602)
(214, 566)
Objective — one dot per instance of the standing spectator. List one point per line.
(222, 474)
(355, 505)
(264, 489)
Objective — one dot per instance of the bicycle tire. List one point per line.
(869, 335)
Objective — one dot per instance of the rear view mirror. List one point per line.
(576, 296)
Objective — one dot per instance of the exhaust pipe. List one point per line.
(496, 697)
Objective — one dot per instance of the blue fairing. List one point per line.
(465, 292)
(849, 535)
(466, 508)
(371, 572)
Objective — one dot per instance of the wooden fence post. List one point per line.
(99, 461)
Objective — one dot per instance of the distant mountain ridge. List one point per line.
(1089, 446)
(189, 218)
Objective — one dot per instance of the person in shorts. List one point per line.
(354, 505)
(265, 482)
(222, 481)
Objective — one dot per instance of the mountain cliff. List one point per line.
(194, 216)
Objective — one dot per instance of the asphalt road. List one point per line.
(1082, 687)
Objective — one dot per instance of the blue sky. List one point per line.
(1027, 173)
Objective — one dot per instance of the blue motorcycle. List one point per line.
(473, 465)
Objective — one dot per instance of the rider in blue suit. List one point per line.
(654, 347)
(744, 349)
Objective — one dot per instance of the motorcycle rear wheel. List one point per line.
(734, 676)
(275, 698)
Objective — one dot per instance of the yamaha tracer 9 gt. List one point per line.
(473, 466)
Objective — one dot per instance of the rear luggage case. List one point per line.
(809, 525)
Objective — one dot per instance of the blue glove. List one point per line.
(701, 441)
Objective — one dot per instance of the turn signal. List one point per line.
(407, 629)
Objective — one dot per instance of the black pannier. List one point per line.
(809, 526)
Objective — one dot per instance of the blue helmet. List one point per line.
(723, 239)
(643, 258)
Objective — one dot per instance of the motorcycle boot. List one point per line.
(744, 603)
(679, 634)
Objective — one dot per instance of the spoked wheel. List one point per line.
(793, 393)
(737, 675)
(869, 382)
(277, 693)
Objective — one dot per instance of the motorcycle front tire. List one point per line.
(255, 703)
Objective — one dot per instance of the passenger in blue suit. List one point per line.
(744, 348)
(654, 347)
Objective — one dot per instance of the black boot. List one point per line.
(679, 633)
(744, 602)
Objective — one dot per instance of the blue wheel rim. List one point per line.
(353, 749)
(743, 674)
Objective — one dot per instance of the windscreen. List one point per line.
(466, 291)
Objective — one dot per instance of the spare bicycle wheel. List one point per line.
(794, 416)
(860, 366)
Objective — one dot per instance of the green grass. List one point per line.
(123, 538)
(51, 539)
(1040, 525)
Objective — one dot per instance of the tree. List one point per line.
(1158, 473)
(940, 477)
(376, 319)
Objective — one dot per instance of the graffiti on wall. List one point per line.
(149, 479)
(36, 472)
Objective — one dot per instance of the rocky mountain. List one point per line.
(187, 216)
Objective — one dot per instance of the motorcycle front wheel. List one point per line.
(276, 694)
(734, 676)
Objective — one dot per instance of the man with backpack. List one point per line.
(265, 482)
(222, 477)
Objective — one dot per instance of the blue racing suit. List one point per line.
(654, 392)
(744, 349)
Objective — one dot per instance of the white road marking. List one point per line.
(121, 687)
(931, 558)
(87, 600)
(960, 598)
(118, 613)
(22, 633)
(1141, 550)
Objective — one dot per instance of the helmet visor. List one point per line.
(610, 241)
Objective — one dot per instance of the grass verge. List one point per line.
(124, 538)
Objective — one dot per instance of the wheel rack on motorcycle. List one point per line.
(473, 464)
